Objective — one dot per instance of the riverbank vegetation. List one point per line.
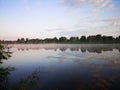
(72, 40)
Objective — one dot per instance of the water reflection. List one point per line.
(66, 67)
(4, 71)
(95, 48)
(31, 82)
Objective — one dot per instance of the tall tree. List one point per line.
(63, 39)
(83, 39)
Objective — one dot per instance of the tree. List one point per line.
(98, 38)
(22, 40)
(63, 39)
(4, 71)
(55, 40)
(4, 54)
(91, 39)
(26, 40)
(117, 39)
(83, 39)
(18, 40)
(74, 39)
(107, 39)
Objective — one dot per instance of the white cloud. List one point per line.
(109, 26)
(99, 5)
(27, 5)
(115, 21)
(104, 3)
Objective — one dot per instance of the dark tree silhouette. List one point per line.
(83, 39)
(91, 39)
(26, 41)
(98, 38)
(4, 53)
(4, 71)
(74, 39)
(117, 39)
(63, 39)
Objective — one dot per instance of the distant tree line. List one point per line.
(73, 40)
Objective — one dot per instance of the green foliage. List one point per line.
(4, 71)
(63, 40)
(83, 39)
(4, 53)
(74, 39)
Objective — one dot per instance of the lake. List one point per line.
(62, 67)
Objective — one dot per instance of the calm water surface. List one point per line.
(63, 67)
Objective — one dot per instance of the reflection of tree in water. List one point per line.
(83, 50)
(74, 49)
(4, 71)
(95, 48)
(101, 78)
(99, 49)
(107, 80)
(63, 49)
(30, 83)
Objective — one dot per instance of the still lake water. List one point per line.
(64, 66)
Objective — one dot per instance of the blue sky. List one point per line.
(55, 18)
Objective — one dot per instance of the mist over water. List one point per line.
(64, 66)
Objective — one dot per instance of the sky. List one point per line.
(56, 18)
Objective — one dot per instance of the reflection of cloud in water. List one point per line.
(108, 59)
(108, 56)
(90, 67)
(59, 57)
